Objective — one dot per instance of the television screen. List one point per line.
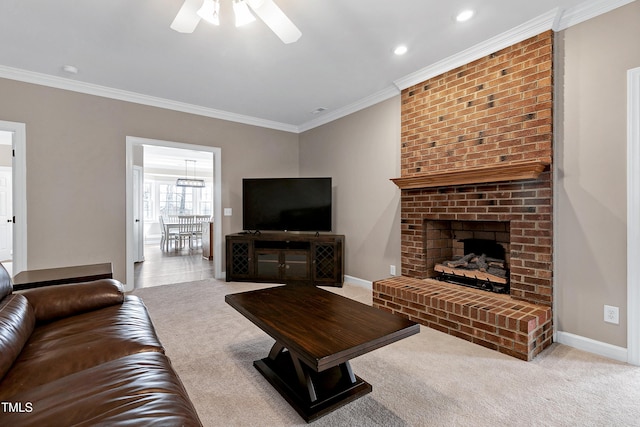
(286, 204)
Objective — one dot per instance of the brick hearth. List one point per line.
(490, 120)
(498, 322)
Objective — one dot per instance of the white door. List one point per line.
(6, 215)
(138, 220)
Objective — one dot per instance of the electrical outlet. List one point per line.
(392, 270)
(611, 314)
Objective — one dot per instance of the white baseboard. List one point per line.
(360, 282)
(592, 346)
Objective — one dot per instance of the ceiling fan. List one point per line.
(192, 11)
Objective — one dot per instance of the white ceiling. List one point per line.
(343, 61)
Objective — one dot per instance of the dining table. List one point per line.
(182, 226)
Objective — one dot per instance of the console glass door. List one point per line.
(268, 264)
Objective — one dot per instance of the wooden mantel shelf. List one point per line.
(480, 175)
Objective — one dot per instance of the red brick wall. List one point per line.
(493, 110)
(496, 110)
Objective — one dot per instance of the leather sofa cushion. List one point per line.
(137, 390)
(16, 325)
(6, 287)
(69, 345)
(56, 302)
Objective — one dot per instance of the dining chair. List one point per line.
(199, 227)
(168, 235)
(185, 229)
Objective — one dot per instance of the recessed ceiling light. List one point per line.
(400, 50)
(465, 15)
(70, 69)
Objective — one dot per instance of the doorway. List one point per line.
(6, 210)
(161, 162)
(13, 197)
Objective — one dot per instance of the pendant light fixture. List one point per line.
(190, 182)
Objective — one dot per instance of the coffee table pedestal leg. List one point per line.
(312, 394)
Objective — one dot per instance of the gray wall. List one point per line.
(362, 153)
(590, 226)
(76, 167)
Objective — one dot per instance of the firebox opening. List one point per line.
(469, 253)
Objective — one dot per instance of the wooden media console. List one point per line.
(292, 258)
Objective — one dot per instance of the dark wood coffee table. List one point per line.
(61, 275)
(317, 332)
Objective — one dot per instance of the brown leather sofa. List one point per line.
(84, 354)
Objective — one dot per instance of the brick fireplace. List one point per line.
(476, 163)
(524, 210)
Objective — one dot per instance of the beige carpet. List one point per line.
(429, 379)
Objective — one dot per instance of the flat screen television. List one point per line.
(286, 204)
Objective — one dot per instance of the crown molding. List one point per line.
(363, 103)
(587, 10)
(556, 19)
(137, 98)
(522, 32)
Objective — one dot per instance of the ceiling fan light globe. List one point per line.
(210, 11)
(242, 12)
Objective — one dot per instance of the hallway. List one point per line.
(173, 266)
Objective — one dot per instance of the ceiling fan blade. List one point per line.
(275, 19)
(187, 18)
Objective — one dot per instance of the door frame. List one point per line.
(633, 216)
(9, 169)
(133, 141)
(19, 167)
(138, 249)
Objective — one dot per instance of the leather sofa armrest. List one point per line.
(56, 302)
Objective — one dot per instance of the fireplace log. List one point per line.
(482, 263)
(462, 261)
(495, 262)
(472, 274)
